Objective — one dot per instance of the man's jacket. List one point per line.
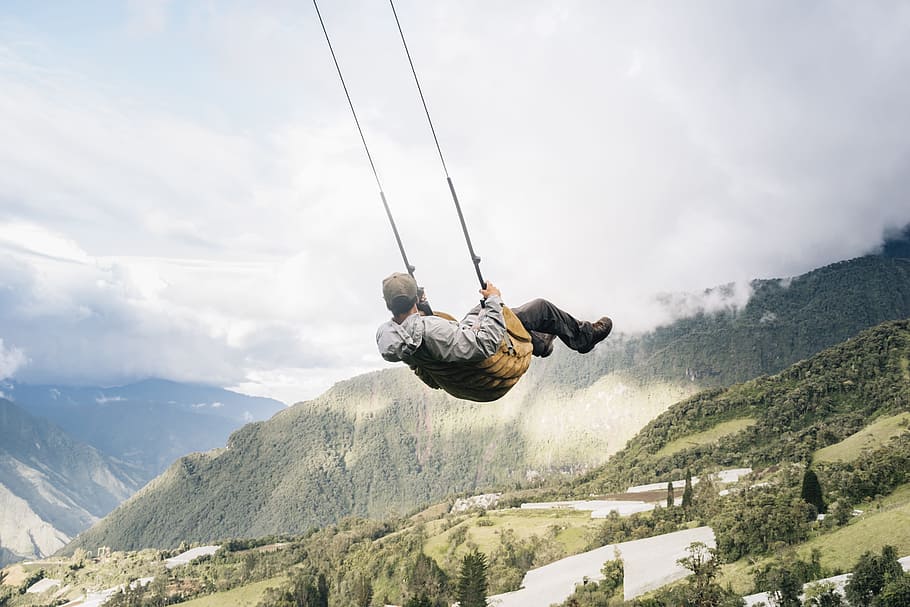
(476, 337)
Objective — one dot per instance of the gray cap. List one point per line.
(399, 285)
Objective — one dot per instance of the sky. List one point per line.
(184, 195)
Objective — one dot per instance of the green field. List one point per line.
(882, 523)
(244, 596)
(575, 528)
(870, 437)
(707, 437)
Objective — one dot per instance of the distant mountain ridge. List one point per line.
(383, 443)
(147, 424)
(51, 486)
(70, 455)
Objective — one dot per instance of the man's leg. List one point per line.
(542, 342)
(541, 316)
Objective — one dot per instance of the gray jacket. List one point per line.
(476, 337)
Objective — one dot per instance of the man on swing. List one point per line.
(479, 334)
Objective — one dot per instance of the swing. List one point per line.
(481, 381)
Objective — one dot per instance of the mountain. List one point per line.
(51, 486)
(148, 424)
(762, 525)
(383, 443)
(789, 416)
(784, 321)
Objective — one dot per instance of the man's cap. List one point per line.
(399, 285)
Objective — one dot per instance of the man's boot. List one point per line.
(601, 328)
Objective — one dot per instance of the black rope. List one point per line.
(464, 227)
(366, 148)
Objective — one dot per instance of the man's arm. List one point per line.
(449, 341)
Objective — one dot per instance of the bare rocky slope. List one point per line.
(51, 486)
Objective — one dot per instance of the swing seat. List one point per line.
(483, 380)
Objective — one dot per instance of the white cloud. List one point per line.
(215, 219)
(11, 359)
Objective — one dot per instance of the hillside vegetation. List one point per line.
(813, 404)
(763, 527)
(871, 437)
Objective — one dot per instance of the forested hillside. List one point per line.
(767, 533)
(786, 417)
(785, 320)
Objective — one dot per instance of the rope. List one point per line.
(363, 140)
(464, 228)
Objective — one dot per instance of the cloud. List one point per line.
(210, 215)
(11, 359)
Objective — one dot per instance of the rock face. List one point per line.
(51, 486)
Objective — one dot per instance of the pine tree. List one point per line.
(687, 492)
(362, 589)
(670, 497)
(421, 600)
(812, 491)
(472, 580)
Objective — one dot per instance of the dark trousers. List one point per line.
(542, 319)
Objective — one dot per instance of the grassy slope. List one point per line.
(575, 529)
(711, 435)
(884, 522)
(872, 436)
(244, 596)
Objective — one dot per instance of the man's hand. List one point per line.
(490, 290)
(423, 306)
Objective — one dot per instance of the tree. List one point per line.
(670, 498)
(870, 574)
(471, 590)
(421, 600)
(785, 588)
(305, 590)
(823, 595)
(687, 492)
(362, 591)
(841, 511)
(896, 592)
(812, 491)
(426, 578)
(702, 591)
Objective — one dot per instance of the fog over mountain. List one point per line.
(186, 196)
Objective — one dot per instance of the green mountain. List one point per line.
(383, 443)
(784, 321)
(845, 393)
(51, 486)
(787, 417)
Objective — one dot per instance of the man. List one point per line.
(479, 334)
